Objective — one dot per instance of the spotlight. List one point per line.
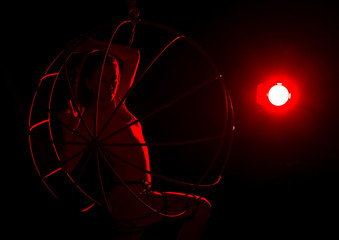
(278, 95)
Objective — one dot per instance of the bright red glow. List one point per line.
(278, 95)
(38, 124)
(55, 171)
(89, 207)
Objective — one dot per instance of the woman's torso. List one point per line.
(118, 141)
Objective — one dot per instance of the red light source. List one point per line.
(278, 95)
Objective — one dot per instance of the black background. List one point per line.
(282, 178)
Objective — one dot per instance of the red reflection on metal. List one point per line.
(89, 207)
(55, 171)
(38, 124)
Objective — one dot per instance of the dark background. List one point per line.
(282, 177)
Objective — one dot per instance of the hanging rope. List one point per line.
(134, 14)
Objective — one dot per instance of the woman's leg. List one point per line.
(196, 211)
(196, 216)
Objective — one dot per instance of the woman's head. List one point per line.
(89, 75)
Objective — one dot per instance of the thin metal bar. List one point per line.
(96, 106)
(161, 108)
(49, 107)
(54, 61)
(157, 175)
(49, 116)
(49, 189)
(221, 141)
(74, 143)
(73, 156)
(214, 159)
(194, 186)
(37, 169)
(85, 163)
(188, 39)
(46, 76)
(81, 190)
(87, 208)
(231, 136)
(228, 101)
(87, 195)
(67, 127)
(101, 183)
(56, 117)
(75, 103)
(35, 95)
(50, 102)
(166, 144)
(51, 173)
(49, 110)
(100, 78)
(136, 196)
(38, 124)
(135, 84)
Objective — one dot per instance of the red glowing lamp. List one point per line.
(277, 94)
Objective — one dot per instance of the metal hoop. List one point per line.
(64, 56)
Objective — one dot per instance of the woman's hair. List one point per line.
(89, 64)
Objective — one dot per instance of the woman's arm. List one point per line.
(128, 57)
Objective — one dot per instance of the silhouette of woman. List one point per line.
(117, 77)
